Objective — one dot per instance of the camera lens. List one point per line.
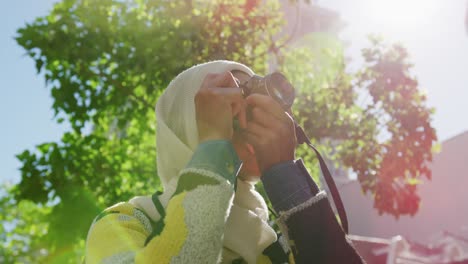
(280, 89)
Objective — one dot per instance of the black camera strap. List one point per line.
(302, 138)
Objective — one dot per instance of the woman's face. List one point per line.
(245, 151)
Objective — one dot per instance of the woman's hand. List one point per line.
(217, 102)
(271, 132)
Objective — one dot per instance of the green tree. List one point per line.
(374, 122)
(107, 61)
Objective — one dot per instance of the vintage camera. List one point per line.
(274, 85)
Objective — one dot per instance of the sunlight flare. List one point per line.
(403, 13)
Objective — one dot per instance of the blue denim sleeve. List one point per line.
(288, 184)
(218, 156)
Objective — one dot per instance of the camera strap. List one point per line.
(302, 138)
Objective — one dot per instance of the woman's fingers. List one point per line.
(226, 85)
(256, 129)
(225, 79)
(216, 103)
(239, 111)
(235, 99)
(265, 119)
(266, 103)
(218, 99)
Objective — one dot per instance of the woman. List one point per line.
(209, 211)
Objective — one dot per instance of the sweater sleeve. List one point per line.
(306, 217)
(190, 231)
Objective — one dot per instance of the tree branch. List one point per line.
(275, 49)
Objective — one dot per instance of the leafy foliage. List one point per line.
(107, 61)
(375, 122)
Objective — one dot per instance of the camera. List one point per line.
(274, 85)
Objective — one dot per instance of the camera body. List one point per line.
(274, 85)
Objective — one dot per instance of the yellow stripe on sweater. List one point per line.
(171, 239)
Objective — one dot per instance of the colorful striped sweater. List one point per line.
(191, 228)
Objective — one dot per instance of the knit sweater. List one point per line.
(191, 228)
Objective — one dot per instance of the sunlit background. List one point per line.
(400, 15)
(433, 31)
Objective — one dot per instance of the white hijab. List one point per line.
(247, 232)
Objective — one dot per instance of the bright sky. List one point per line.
(25, 104)
(432, 30)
